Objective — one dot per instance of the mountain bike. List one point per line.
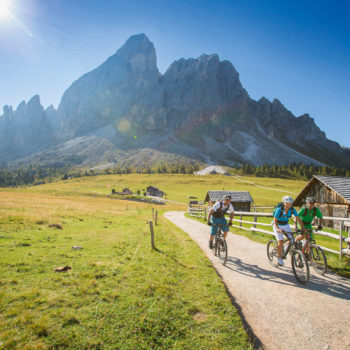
(219, 245)
(314, 254)
(299, 263)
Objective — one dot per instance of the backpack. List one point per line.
(306, 211)
(220, 213)
(280, 205)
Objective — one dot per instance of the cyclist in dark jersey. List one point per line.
(216, 216)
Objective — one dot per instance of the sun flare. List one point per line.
(5, 9)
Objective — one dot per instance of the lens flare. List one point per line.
(5, 9)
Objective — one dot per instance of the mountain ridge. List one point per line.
(198, 109)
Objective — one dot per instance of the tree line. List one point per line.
(292, 170)
(36, 174)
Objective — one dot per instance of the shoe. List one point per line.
(210, 244)
(280, 262)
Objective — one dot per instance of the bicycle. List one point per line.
(299, 263)
(219, 246)
(314, 254)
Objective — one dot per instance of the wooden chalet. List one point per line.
(240, 200)
(332, 194)
(154, 191)
(125, 192)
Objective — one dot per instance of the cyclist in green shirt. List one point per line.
(307, 214)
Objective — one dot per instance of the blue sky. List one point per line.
(296, 51)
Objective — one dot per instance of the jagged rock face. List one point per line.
(196, 89)
(123, 86)
(198, 109)
(24, 131)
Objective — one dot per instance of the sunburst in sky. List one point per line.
(5, 9)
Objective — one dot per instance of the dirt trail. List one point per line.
(281, 313)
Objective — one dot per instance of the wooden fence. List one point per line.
(343, 236)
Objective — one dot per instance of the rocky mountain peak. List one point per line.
(34, 105)
(21, 107)
(196, 109)
(8, 112)
(139, 51)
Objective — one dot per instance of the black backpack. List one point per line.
(306, 211)
(220, 213)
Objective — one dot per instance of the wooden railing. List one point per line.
(343, 236)
(198, 210)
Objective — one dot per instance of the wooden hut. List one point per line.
(332, 194)
(240, 200)
(154, 191)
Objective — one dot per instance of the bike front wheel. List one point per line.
(300, 266)
(318, 259)
(222, 251)
(272, 252)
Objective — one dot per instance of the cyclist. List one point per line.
(280, 223)
(307, 215)
(216, 216)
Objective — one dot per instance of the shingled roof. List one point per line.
(237, 196)
(341, 185)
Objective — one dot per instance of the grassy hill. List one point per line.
(177, 187)
(119, 293)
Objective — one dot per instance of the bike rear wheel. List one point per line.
(272, 252)
(318, 259)
(222, 250)
(300, 266)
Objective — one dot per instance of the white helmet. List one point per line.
(287, 199)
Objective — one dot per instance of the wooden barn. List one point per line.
(241, 201)
(332, 195)
(154, 191)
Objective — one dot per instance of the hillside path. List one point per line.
(281, 313)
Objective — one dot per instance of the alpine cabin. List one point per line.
(332, 194)
(240, 200)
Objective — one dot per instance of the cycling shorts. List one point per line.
(280, 236)
(218, 221)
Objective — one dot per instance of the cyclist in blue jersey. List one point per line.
(280, 223)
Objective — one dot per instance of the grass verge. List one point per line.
(119, 294)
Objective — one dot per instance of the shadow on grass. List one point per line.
(170, 257)
(329, 284)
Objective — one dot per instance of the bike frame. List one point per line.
(291, 243)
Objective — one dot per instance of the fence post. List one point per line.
(205, 214)
(348, 226)
(255, 221)
(152, 233)
(341, 239)
(152, 213)
(240, 218)
(156, 217)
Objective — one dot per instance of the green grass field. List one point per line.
(177, 187)
(119, 294)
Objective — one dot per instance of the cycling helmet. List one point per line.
(287, 199)
(310, 199)
(227, 196)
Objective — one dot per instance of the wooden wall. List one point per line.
(324, 195)
(329, 202)
(241, 206)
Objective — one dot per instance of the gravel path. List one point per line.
(281, 313)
